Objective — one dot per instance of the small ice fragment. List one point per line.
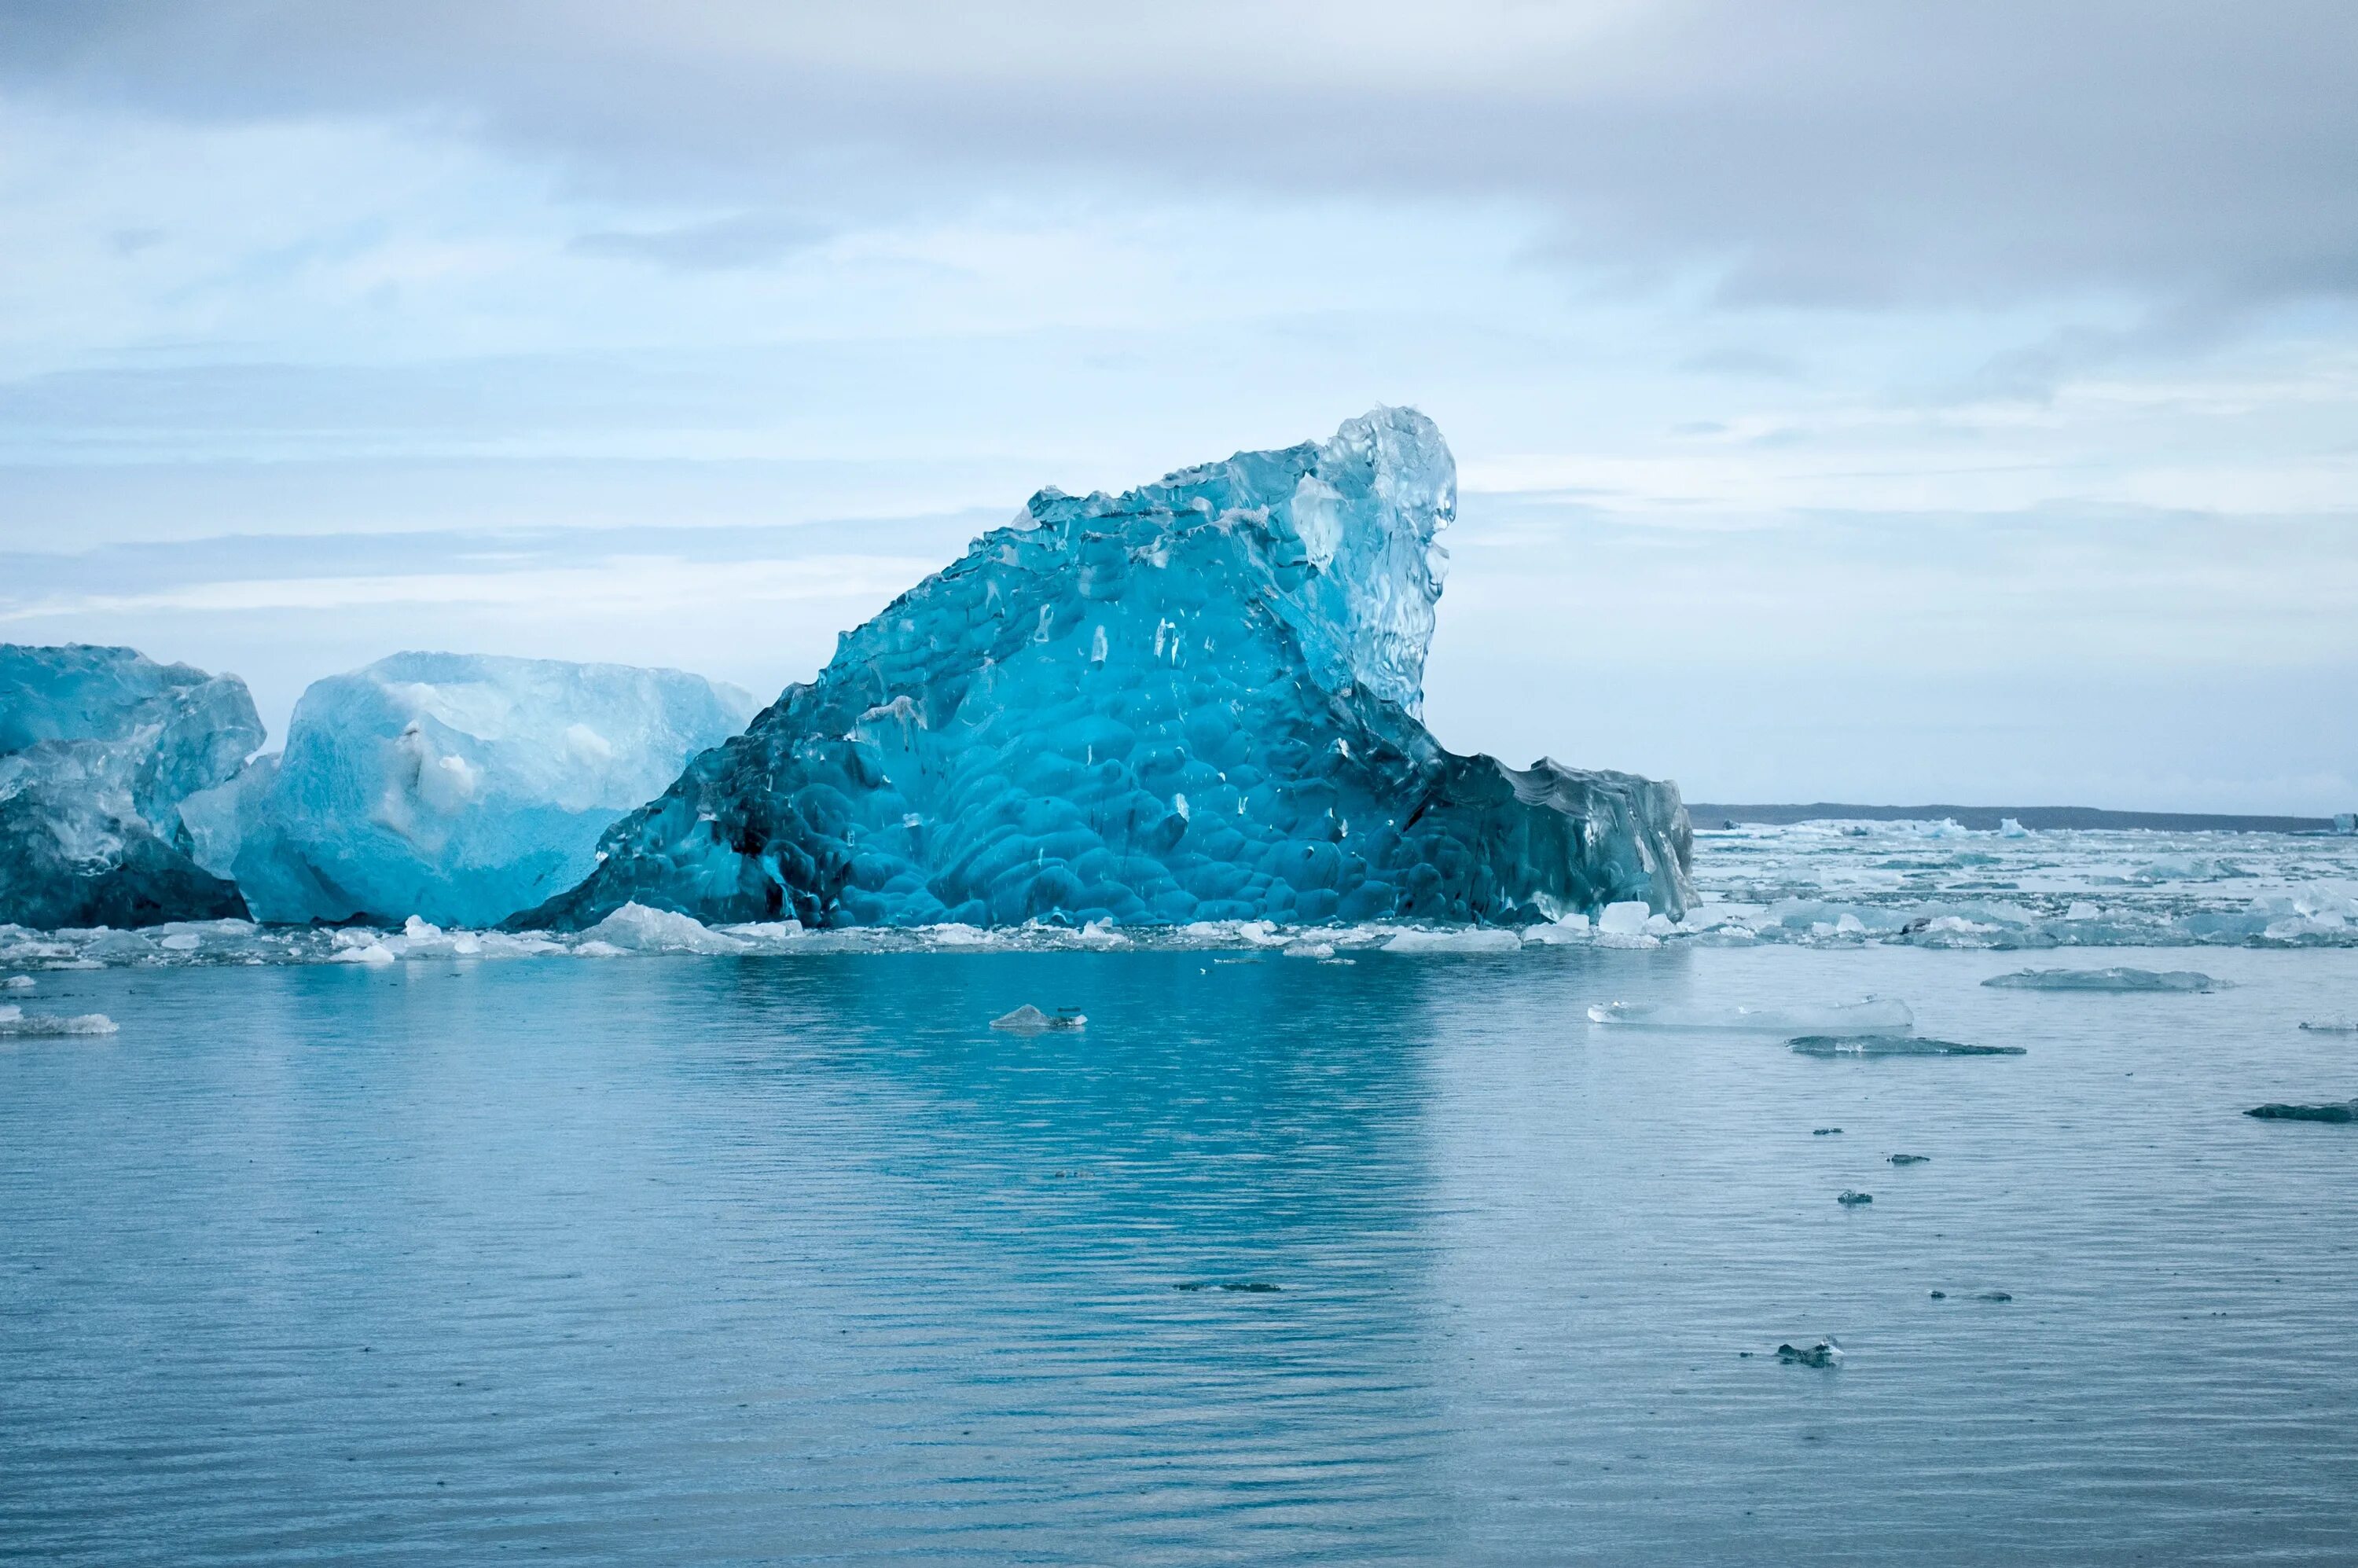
(179, 942)
(15, 1021)
(24, 983)
(2081, 909)
(1893, 1045)
(1826, 1352)
(2009, 827)
(2116, 979)
(1910, 1159)
(376, 955)
(1626, 918)
(637, 928)
(1873, 1015)
(2344, 1110)
(1851, 1199)
(1310, 950)
(2316, 1026)
(1469, 939)
(1030, 1020)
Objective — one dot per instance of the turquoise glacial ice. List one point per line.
(1196, 700)
(100, 748)
(456, 788)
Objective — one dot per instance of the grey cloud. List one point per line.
(1841, 152)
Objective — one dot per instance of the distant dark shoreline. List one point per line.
(1706, 814)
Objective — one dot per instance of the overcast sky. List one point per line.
(1867, 402)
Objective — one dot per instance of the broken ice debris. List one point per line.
(1030, 1020)
(2116, 979)
(2332, 1110)
(1850, 1199)
(15, 1020)
(1875, 1015)
(2331, 1026)
(1197, 701)
(1893, 1045)
(1826, 1352)
(100, 748)
(18, 983)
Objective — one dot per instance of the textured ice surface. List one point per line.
(1878, 1016)
(99, 749)
(458, 789)
(2115, 979)
(1194, 702)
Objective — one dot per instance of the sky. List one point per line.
(1867, 401)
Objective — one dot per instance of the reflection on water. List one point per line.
(728, 1260)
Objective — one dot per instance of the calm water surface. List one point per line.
(795, 1261)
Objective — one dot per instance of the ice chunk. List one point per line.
(2336, 1111)
(636, 928)
(1826, 1352)
(1850, 1199)
(24, 983)
(1473, 940)
(1873, 1015)
(2322, 1026)
(100, 748)
(1869, 1045)
(458, 789)
(1030, 1020)
(2115, 979)
(1623, 919)
(15, 1021)
(1196, 701)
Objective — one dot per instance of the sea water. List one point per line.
(793, 1259)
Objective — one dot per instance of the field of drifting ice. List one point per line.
(1813, 884)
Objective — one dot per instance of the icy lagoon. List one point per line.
(785, 1255)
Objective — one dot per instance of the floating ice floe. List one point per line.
(1467, 939)
(1874, 1045)
(1030, 1020)
(2332, 1026)
(2332, 1110)
(1871, 1015)
(2116, 979)
(15, 1021)
(1826, 1352)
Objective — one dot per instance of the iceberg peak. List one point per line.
(1194, 700)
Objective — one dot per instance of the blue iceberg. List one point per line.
(458, 788)
(1197, 701)
(100, 748)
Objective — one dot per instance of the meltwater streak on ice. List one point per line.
(712, 1259)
